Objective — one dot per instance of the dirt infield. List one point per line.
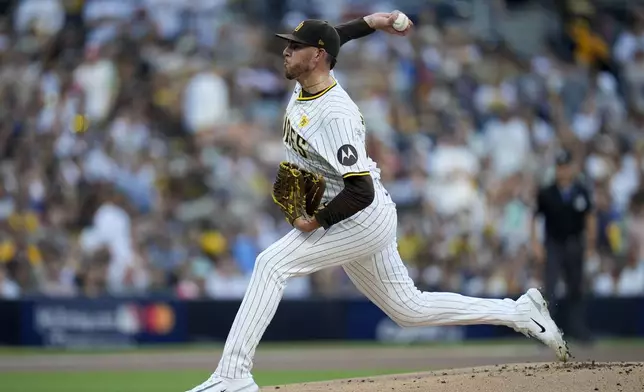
(524, 368)
(575, 377)
(514, 368)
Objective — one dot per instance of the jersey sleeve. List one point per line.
(354, 29)
(339, 143)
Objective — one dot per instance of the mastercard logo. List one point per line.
(158, 319)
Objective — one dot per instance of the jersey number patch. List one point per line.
(293, 139)
(347, 155)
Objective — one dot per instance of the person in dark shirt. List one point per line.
(570, 238)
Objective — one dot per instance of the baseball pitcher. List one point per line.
(330, 191)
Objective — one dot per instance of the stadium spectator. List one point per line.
(139, 139)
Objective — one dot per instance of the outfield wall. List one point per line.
(126, 322)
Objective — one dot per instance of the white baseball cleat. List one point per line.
(540, 325)
(216, 383)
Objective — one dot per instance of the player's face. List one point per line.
(565, 173)
(298, 60)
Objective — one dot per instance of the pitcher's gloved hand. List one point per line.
(297, 192)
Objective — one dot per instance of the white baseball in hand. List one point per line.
(401, 23)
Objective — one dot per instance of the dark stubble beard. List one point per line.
(294, 72)
(289, 75)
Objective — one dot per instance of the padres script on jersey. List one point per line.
(325, 134)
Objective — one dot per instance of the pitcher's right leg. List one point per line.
(384, 279)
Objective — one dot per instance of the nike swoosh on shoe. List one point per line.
(543, 329)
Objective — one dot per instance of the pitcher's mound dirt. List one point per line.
(536, 377)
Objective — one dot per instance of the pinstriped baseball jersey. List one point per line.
(325, 134)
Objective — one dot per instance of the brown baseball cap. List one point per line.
(316, 33)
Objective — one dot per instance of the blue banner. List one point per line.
(10, 323)
(620, 317)
(102, 322)
(125, 322)
(294, 320)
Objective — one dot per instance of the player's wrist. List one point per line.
(306, 224)
(313, 223)
(322, 218)
(370, 21)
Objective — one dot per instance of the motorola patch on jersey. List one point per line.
(347, 155)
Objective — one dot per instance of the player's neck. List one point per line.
(316, 81)
(564, 184)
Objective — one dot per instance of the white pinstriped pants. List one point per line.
(368, 252)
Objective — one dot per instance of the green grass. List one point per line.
(206, 347)
(181, 380)
(137, 381)
(268, 346)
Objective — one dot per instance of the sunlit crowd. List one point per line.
(139, 141)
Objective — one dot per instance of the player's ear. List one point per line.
(324, 56)
(321, 54)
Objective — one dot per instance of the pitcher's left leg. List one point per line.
(296, 254)
(384, 279)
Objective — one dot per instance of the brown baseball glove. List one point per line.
(297, 192)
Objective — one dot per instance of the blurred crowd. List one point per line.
(139, 140)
